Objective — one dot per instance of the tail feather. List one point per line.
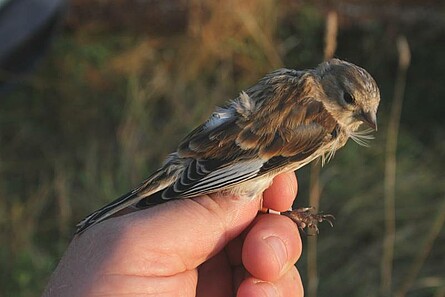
(107, 211)
(157, 182)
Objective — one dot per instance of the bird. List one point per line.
(280, 124)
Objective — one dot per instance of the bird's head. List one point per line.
(352, 94)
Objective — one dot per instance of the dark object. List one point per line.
(306, 218)
(26, 28)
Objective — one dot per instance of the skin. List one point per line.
(206, 246)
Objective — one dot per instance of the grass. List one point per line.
(106, 107)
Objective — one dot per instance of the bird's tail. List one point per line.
(108, 210)
(137, 198)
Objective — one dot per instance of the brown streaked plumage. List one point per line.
(280, 124)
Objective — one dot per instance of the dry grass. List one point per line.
(107, 106)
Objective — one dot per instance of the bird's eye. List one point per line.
(349, 99)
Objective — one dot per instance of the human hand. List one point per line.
(211, 245)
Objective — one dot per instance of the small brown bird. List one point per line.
(280, 124)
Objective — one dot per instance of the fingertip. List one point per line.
(281, 194)
(254, 287)
(271, 247)
(288, 285)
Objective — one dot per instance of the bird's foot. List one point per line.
(307, 218)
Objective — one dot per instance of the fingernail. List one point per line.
(267, 289)
(280, 250)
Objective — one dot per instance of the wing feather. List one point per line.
(220, 178)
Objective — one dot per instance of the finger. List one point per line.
(186, 233)
(288, 285)
(281, 194)
(271, 247)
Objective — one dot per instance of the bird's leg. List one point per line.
(306, 217)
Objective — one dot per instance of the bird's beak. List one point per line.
(369, 118)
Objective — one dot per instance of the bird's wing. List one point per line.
(247, 140)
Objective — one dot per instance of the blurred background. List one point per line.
(94, 94)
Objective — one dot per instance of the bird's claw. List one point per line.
(307, 218)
